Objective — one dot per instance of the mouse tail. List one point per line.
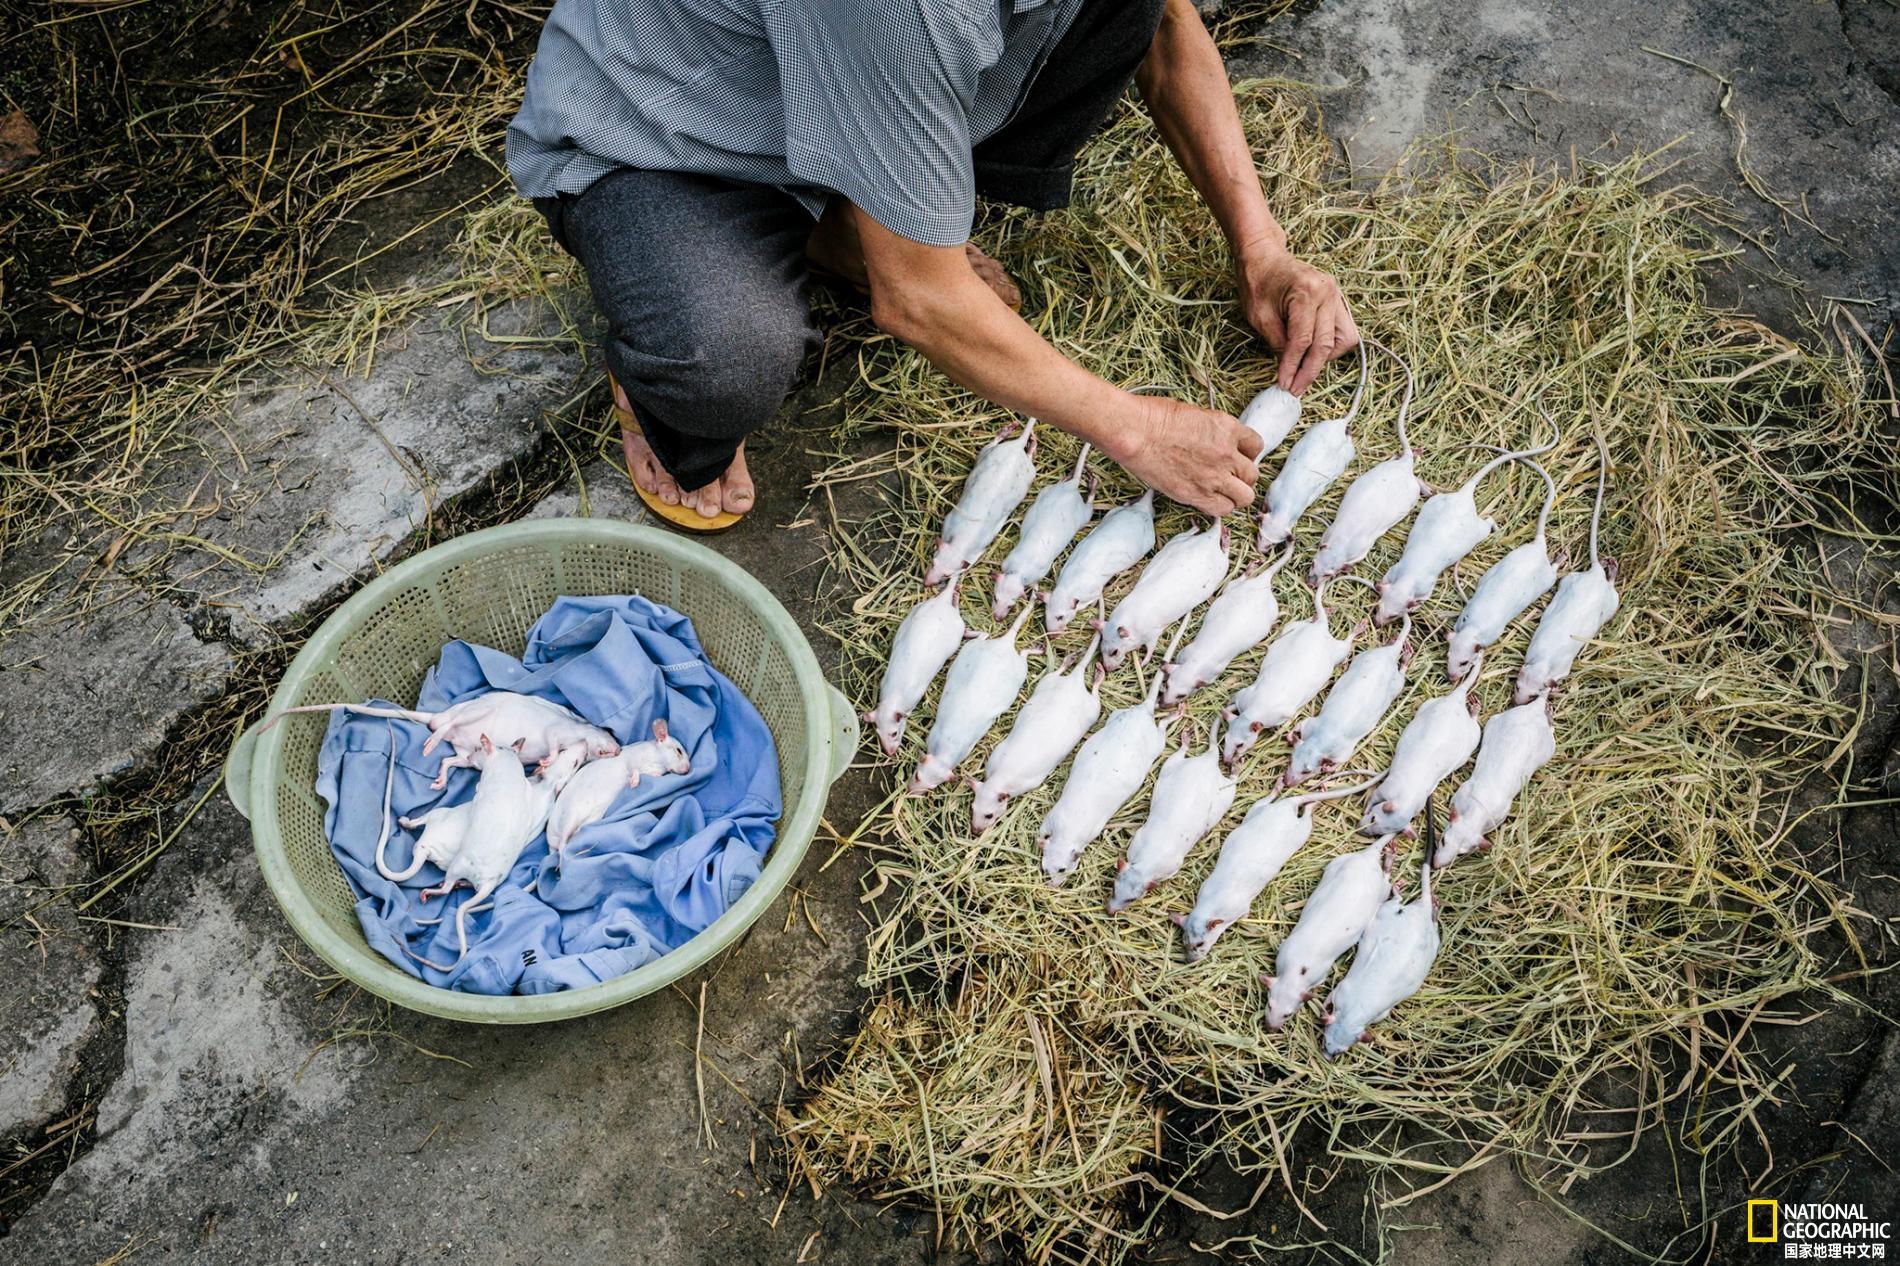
(1359, 392)
(1405, 401)
(360, 709)
(382, 839)
(1603, 478)
(1519, 454)
(1081, 463)
(1550, 494)
(1340, 793)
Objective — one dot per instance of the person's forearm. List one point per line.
(970, 335)
(1184, 84)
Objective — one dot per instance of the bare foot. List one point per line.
(732, 491)
(993, 275)
(834, 247)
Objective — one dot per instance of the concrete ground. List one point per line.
(185, 1085)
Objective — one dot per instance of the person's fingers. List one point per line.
(1245, 469)
(1348, 337)
(1299, 336)
(1239, 492)
(1318, 352)
(1249, 441)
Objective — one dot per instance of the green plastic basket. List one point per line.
(489, 587)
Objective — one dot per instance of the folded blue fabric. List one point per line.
(668, 857)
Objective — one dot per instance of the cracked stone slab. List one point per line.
(237, 1133)
(85, 696)
(1536, 82)
(322, 477)
(49, 974)
(601, 491)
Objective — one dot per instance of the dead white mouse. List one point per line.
(1354, 707)
(997, 485)
(1515, 581)
(1250, 857)
(1296, 667)
(592, 791)
(535, 727)
(1191, 795)
(1238, 620)
(1318, 458)
(1448, 527)
(928, 637)
(1122, 539)
(1342, 904)
(1434, 743)
(507, 811)
(1051, 522)
(1181, 576)
(1059, 711)
(1107, 773)
(984, 679)
(1375, 503)
(1517, 743)
(1271, 415)
(1395, 955)
(1584, 603)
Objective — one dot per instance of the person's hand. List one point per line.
(1299, 311)
(1199, 457)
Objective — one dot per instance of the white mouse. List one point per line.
(997, 485)
(1584, 603)
(1238, 620)
(594, 788)
(1375, 503)
(1354, 707)
(1320, 457)
(1448, 527)
(1059, 711)
(1250, 857)
(984, 679)
(1296, 667)
(1437, 740)
(1108, 771)
(1517, 743)
(1515, 581)
(1395, 955)
(1122, 538)
(507, 811)
(1271, 415)
(1181, 576)
(1342, 904)
(1051, 522)
(1192, 794)
(928, 637)
(535, 727)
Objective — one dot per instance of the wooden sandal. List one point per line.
(682, 516)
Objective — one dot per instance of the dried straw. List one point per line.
(1643, 908)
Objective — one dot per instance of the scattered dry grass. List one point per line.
(1642, 911)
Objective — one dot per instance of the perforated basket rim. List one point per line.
(829, 724)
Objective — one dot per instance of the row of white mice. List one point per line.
(1356, 901)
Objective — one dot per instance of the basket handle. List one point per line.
(237, 770)
(844, 732)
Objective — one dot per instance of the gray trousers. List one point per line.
(703, 280)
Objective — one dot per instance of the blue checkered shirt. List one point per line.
(878, 100)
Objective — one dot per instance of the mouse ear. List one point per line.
(659, 730)
(520, 743)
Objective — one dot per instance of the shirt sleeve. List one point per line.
(877, 103)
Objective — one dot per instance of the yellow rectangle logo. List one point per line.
(1774, 1220)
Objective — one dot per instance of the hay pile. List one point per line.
(1640, 910)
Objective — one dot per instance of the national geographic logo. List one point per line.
(1819, 1232)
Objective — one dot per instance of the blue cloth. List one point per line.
(669, 856)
